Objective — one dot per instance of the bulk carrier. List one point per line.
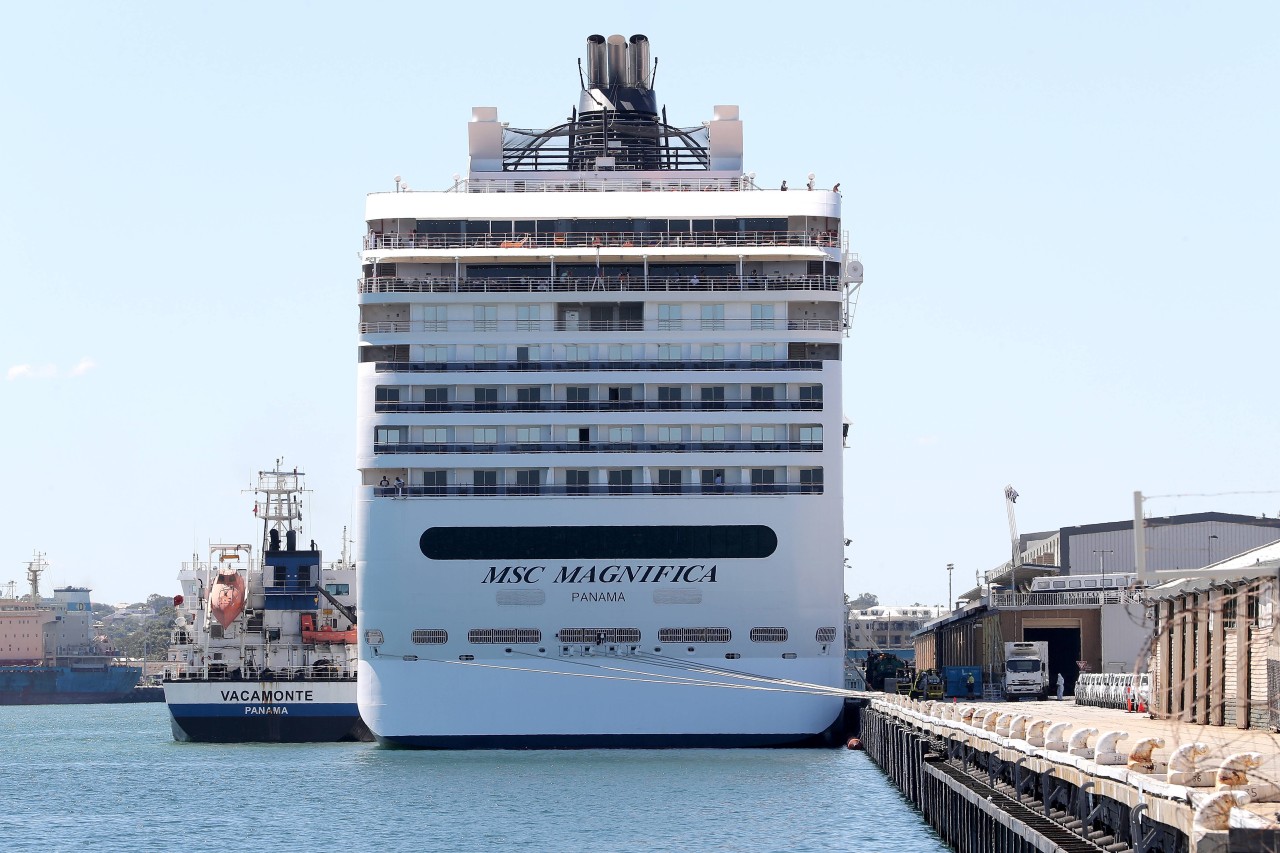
(599, 436)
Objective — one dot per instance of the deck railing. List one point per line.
(594, 366)
(386, 327)
(605, 283)
(457, 406)
(386, 448)
(591, 240)
(596, 489)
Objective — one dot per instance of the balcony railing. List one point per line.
(591, 240)
(597, 183)
(603, 284)
(384, 407)
(636, 489)
(384, 448)
(591, 366)
(385, 327)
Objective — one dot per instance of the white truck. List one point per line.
(1026, 670)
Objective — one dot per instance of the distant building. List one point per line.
(889, 628)
(1174, 543)
(1073, 591)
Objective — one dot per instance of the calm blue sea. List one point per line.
(110, 777)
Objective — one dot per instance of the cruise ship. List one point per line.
(599, 435)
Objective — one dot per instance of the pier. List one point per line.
(1047, 776)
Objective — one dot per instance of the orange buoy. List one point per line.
(853, 743)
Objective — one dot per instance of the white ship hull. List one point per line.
(637, 694)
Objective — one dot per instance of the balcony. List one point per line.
(693, 324)
(602, 284)
(388, 407)
(596, 489)
(591, 240)
(434, 448)
(593, 366)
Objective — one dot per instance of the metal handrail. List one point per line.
(414, 407)
(680, 182)
(593, 366)
(632, 489)
(603, 284)
(387, 448)
(384, 327)
(604, 239)
(1062, 598)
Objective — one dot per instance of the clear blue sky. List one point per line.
(1067, 212)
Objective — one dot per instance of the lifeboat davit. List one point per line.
(226, 597)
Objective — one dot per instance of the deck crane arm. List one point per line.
(342, 608)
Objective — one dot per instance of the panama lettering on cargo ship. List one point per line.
(695, 573)
(268, 695)
(258, 710)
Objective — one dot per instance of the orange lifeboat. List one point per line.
(226, 597)
(310, 634)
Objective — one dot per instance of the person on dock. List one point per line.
(968, 684)
(1062, 686)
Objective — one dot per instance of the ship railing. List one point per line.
(630, 489)
(677, 182)
(589, 366)
(250, 673)
(600, 447)
(384, 327)
(387, 406)
(605, 283)
(591, 240)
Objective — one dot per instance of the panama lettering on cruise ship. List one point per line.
(695, 573)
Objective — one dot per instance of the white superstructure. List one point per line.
(599, 436)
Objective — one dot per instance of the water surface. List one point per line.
(110, 777)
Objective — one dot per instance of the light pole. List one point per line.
(951, 567)
(1102, 556)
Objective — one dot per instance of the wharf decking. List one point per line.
(1134, 810)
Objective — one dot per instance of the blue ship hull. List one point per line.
(234, 711)
(66, 685)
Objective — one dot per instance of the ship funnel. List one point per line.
(291, 540)
(617, 49)
(597, 70)
(638, 62)
(274, 538)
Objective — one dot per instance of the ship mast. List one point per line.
(280, 505)
(34, 569)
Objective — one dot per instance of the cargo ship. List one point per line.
(264, 649)
(50, 652)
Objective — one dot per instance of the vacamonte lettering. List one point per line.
(674, 573)
(268, 695)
